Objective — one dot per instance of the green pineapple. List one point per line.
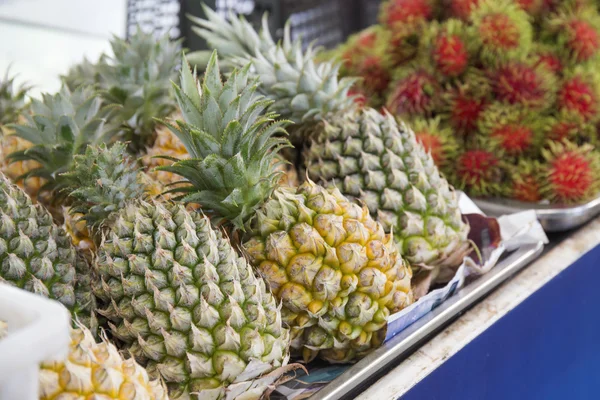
(338, 275)
(365, 154)
(175, 293)
(36, 255)
(59, 126)
(12, 101)
(136, 81)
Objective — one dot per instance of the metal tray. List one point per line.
(553, 218)
(362, 374)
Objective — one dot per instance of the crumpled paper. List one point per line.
(517, 229)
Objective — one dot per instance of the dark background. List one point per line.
(324, 22)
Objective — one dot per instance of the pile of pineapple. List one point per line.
(209, 265)
(505, 94)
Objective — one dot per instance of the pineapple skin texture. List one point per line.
(338, 275)
(185, 304)
(369, 157)
(35, 254)
(96, 370)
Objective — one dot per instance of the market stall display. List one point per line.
(213, 234)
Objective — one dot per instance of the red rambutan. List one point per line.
(561, 130)
(415, 92)
(450, 55)
(572, 172)
(511, 129)
(575, 28)
(578, 94)
(396, 12)
(463, 106)
(582, 39)
(525, 181)
(366, 39)
(376, 77)
(514, 139)
(478, 172)
(520, 83)
(527, 189)
(502, 29)
(461, 9)
(546, 57)
(570, 126)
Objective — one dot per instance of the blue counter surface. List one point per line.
(547, 348)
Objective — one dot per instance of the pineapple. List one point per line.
(338, 275)
(59, 126)
(166, 144)
(36, 255)
(12, 101)
(176, 294)
(365, 154)
(136, 80)
(12, 108)
(98, 371)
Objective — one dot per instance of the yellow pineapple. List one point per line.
(96, 371)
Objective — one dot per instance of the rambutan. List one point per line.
(525, 181)
(415, 92)
(404, 42)
(576, 30)
(569, 126)
(478, 172)
(516, 82)
(571, 172)
(502, 29)
(511, 129)
(514, 138)
(449, 47)
(532, 7)
(438, 140)
(398, 12)
(463, 106)
(360, 46)
(376, 77)
(579, 93)
(462, 9)
(546, 56)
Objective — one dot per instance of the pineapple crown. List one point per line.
(300, 89)
(12, 99)
(137, 80)
(84, 73)
(60, 126)
(102, 181)
(231, 142)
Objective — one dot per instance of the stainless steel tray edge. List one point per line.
(362, 374)
(552, 217)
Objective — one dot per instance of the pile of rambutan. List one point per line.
(504, 93)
